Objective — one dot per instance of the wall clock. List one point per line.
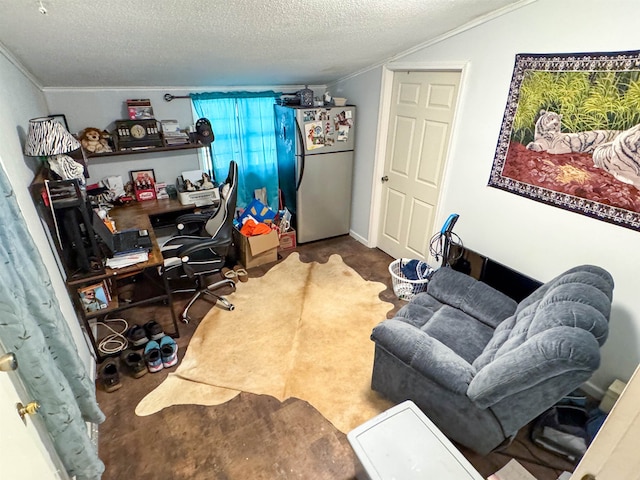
(137, 134)
(138, 131)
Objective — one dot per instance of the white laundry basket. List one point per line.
(404, 288)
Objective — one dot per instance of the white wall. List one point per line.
(534, 238)
(361, 92)
(21, 100)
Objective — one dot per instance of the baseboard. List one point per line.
(592, 390)
(360, 239)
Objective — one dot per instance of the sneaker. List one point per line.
(152, 356)
(134, 363)
(136, 336)
(168, 351)
(153, 330)
(109, 377)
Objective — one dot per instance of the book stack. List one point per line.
(172, 133)
(126, 260)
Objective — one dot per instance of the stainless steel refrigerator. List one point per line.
(315, 168)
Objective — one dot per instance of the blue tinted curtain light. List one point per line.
(243, 123)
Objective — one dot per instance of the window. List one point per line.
(244, 130)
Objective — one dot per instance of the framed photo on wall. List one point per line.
(570, 135)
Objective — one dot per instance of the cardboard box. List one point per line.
(145, 194)
(288, 240)
(257, 250)
(611, 395)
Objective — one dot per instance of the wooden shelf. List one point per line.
(189, 146)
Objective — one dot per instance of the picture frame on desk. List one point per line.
(94, 297)
(144, 182)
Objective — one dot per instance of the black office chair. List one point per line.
(202, 245)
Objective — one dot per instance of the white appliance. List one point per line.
(402, 443)
(315, 168)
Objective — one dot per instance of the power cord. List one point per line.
(440, 245)
(116, 341)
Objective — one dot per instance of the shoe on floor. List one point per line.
(168, 351)
(134, 363)
(242, 274)
(109, 376)
(136, 336)
(153, 330)
(152, 356)
(229, 274)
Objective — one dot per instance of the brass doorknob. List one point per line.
(8, 362)
(30, 408)
(384, 179)
(588, 476)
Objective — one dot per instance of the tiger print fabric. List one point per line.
(548, 137)
(621, 157)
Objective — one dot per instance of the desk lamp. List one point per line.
(48, 138)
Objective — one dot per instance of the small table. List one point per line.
(403, 444)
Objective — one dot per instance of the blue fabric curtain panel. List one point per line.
(244, 127)
(32, 327)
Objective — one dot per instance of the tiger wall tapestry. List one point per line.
(570, 136)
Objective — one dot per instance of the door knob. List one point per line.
(8, 362)
(30, 408)
(588, 476)
(384, 179)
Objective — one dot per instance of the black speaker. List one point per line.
(204, 132)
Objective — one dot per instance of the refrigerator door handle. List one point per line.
(302, 155)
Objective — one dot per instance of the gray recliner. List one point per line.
(482, 366)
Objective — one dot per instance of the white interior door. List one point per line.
(25, 452)
(613, 454)
(420, 122)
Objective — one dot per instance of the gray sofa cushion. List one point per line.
(472, 297)
(549, 354)
(425, 354)
(453, 328)
(587, 274)
(580, 299)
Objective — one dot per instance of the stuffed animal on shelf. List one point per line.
(94, 140)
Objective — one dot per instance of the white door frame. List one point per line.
(383, 130)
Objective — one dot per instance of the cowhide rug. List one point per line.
(302, 330)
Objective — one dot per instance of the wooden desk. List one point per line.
(137, 215)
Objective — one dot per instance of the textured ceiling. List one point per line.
(189, 43)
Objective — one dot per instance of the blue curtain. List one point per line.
(244, 127)
(32, 327)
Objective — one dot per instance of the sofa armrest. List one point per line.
(424, 354)
(473, 297)
(549, 354)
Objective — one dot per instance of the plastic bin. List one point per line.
(404, 288)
